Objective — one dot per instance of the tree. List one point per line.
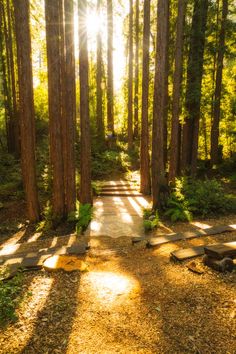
(177, 80)
(145, 179)
(70, 100)
(218, 86)
(130, 79)
(27, 123)
(136, 80)
(52, 14)
(110, 88)
(193, 90)
(85, 151)
(100, 121)
(158, 168)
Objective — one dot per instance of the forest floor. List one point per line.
(131, 299)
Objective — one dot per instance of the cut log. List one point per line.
(221, 250)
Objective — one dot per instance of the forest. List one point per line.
(111, 104)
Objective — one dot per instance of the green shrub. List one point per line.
(10, 292)
(81, 216)
(198, 197)
(150, 219)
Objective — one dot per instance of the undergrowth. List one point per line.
(81, 216)
(150, 219)
(10, 297)
(202, 198)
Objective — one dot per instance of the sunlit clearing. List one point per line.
(93, 23)
(109, 286)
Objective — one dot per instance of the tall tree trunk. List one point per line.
(5, 88)
(177, 80)
(27, 123)
(130, 79)
(166, 94)
(10, 120)
(110, 88)
(70, 99)
(193, 91)
(136, 89)
(145, 179)
(100, 121)
(85, 182)
(218, 87)
(158, 169)
(52, 14)
(16, 141)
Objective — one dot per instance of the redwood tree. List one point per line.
(193, 90)
(70, 114)
(130, 78)
(110, 85)
(52, 14)
(85, 146)
(177, 80)
(136, 80)
(158, 168)
(145, 180)
(218, 86)
(99, 93)
(27, 115)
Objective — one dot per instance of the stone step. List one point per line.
(121, 194)
(117, 188)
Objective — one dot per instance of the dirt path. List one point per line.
(132, 300)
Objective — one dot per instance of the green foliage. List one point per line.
(105, 163)
(47, 222)
(150, 219)
(82, 216)
(10, 292)
(10, 177)
(198, 197)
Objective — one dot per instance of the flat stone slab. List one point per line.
(66, 263)
(35, 259)
(187, 253)
(215, 230)
(221, 250)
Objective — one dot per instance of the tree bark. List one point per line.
(27, 123)
(70, 100)
(218, 87)
(85, 182)
(177, 80)
(136, 80)
(193, 91)
(110, 88)
(130, 79)
(100, 121)
(52, 14)
(15, 122)
(158, 169)
(145, 178)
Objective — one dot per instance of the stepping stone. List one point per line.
(221, 250)
(66, 263)
(215, 230)
(187, 253)
(157, 241)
